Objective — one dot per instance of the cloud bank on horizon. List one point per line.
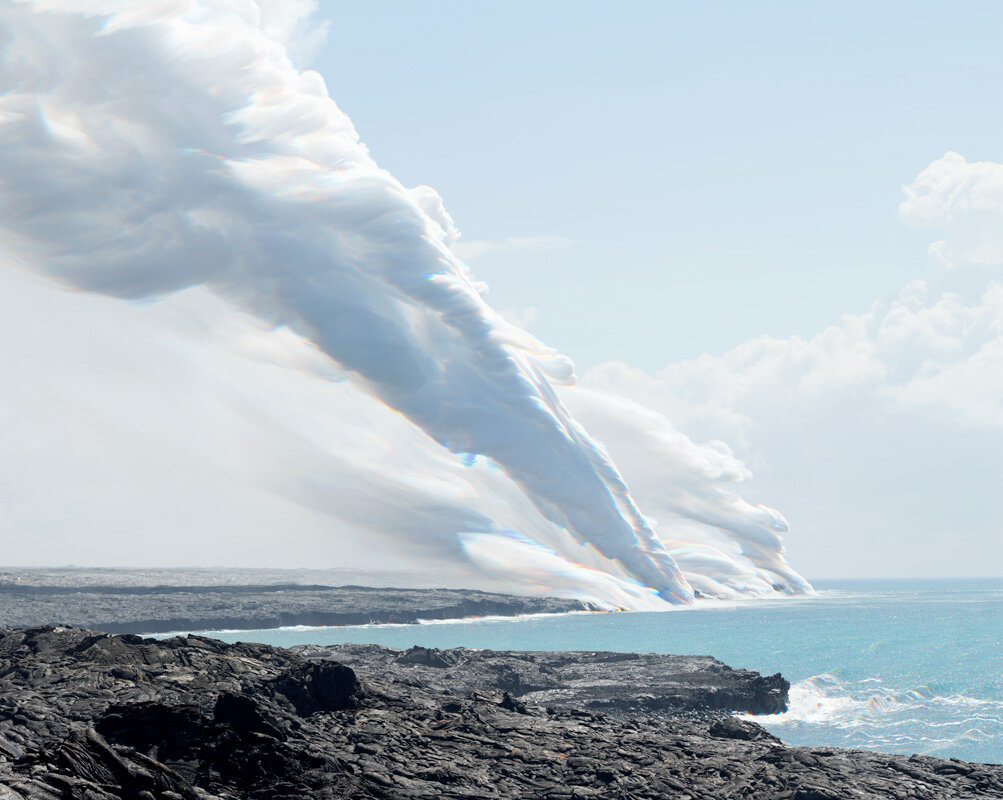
(327, 357)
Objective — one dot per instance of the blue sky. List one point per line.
(770, 236)
(693, 177)
(724, 170)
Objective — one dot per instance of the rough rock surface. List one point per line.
(163, 609)
(92, 717)
(612, 682)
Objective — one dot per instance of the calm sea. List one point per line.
(894, 666)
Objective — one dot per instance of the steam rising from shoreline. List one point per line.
(184, 150)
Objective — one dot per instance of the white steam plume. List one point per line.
(183, 149)
(725, 546)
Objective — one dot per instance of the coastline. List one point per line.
(864, 703)
(160, 609)
(215, 600)
(471, 620)
(97, 717)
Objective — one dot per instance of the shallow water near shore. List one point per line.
(893, 666)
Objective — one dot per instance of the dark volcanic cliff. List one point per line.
(92, 717)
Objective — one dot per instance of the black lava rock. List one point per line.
(163, 609)
(322, 686)
(86, 716)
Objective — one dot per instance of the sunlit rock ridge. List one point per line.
(312, 306)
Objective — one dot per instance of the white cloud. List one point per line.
(965, 200)
(725, 545)
(524, 318)
(879, 429)
(184, 153)
(185, 150)
(187, 432)
(474, 249)
(896, 353)
(879, 436)
(293, 24)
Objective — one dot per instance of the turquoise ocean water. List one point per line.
(894, 666)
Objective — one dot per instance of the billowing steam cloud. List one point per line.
(150, 148)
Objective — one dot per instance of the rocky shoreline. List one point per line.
(138, 608)
(89, 716)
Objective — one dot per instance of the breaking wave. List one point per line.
(873, 715)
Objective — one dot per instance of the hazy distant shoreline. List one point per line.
(74, 576)
(164, 601)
